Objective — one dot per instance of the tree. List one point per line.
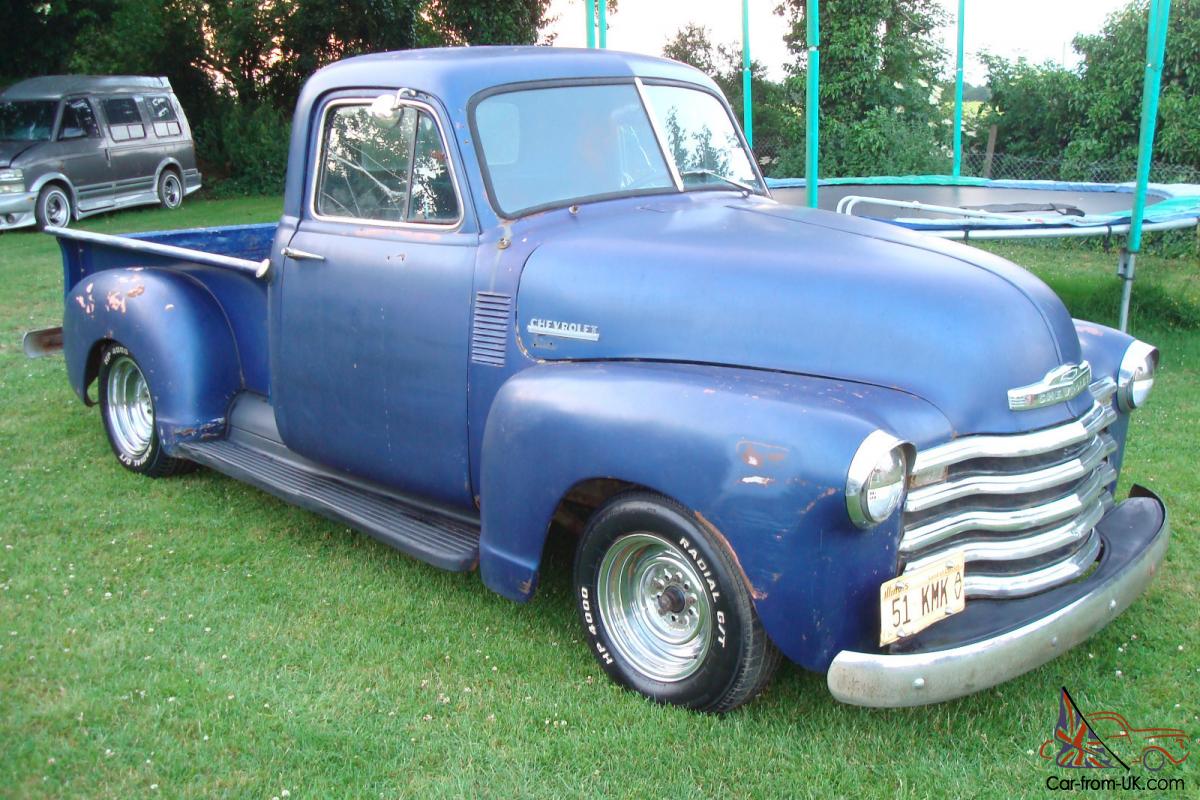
(881, 102)
(693, 45)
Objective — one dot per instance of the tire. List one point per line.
(170, 189)
(127, 409)
(53, 207)
(664, 607)
(1153, 759)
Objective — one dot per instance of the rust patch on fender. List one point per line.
(813, 503)
(720, 537)
(758, 454)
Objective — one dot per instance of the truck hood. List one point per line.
(10, 150)
(707, 278)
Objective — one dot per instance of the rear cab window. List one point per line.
(124, 119)
(389, 170)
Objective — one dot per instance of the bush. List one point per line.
(881, 143)
(243, 151)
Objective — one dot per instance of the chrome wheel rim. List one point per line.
(172, 191)
(58, 209)
(130, 409)
(655, 607)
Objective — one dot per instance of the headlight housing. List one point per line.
(1135, 379)
(11, 181)
(876, 479)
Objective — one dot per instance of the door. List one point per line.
(370, 366)
(132, 153)
(83, 150)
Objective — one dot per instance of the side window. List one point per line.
(433, 197)
(124, 121)
(162, 116)
(365, 164)
(78, 121)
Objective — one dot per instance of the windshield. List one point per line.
(27, 120)
(547, 147)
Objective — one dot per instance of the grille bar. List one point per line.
(1021, 508)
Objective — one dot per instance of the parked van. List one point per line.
(76, 145)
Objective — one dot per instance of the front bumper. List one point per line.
(16, 210)
(1135, 536)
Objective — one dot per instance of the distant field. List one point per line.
(194, 637)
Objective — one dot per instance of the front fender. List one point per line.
(760, 457)
(176, 331)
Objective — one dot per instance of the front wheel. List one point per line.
(664, 608)
(127, 408)
(53, 207)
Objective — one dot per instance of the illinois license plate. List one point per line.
(917, 599)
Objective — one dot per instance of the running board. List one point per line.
(444, 542)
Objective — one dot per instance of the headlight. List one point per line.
(12, 181)
(1136, 376)
(875, 483)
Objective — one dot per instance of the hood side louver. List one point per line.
(489, 332)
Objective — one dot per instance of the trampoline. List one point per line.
(977, 208)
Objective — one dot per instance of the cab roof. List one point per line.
(455, 73)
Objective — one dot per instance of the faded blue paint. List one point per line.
(745, 350)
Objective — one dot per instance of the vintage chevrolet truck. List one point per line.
(517, 287)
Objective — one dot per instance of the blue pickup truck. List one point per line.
(517, 288)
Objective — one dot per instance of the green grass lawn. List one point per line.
(195, 637)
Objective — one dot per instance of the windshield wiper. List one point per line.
(745, 187)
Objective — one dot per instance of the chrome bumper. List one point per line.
(912, 679)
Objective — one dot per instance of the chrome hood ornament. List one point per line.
(1058, 386)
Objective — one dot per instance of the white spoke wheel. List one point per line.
(665, 609)
(170, 189)
(53, 207)
(127, 409)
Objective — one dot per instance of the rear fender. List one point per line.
(761, 458)
(177, 332)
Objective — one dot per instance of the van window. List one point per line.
(162, 116)
(124, 121)
(78, 121)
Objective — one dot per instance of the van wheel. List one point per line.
(127, 408)
(664, 608)
(170, 189)
(53, 207)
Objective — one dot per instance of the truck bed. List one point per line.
(230, 262)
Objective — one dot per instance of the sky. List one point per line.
(1039, 30)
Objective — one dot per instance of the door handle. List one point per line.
(300, 255)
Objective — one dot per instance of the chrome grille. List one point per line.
(1022, 508)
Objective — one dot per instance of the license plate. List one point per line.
(917, 599)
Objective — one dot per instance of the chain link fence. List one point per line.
(1009, 167)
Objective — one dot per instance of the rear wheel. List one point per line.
(127, 408)
(53, 207)
(170, 189)
(664, 608)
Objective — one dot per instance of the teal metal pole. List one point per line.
(591, 19)
(958, 91)
(1156, 46)
(603, 24)
(811, 111)
(747, 101)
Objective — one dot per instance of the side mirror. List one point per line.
(387, 107)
